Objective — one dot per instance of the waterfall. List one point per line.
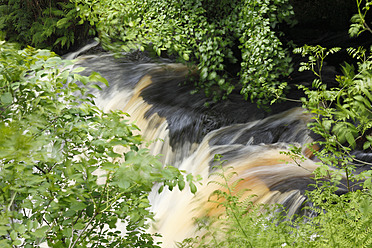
(188, 134)
(272, 176)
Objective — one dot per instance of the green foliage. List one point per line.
(215, 35)
(242, 223)
(342, 117)
(359, 23)
(42, 23)
(342, 221)
(53, 145)
(227, 40)
(338, 221)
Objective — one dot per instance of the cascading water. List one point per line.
(188, 135)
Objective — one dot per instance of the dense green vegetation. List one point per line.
(51, 144)
(43, 24)
(342, 118)
(224, 39)
(51, 141)
(341, 221)
(211, 34)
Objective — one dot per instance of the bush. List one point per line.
(53, 143)
(342, 119)
(233, 43)
(336, 221)
(226, 39)
(42, 23)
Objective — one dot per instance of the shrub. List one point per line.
(342, 119)
(226, 39)
(53, 142)
(42, 23)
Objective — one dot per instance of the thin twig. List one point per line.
(81, 233)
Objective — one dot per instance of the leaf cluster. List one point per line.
(69, 173)
(242, 223)
(216, 35)
(42, 23)
(342, 115)
(342, 118)
(359, 23)
(336, 221)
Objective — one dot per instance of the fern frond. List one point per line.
(234, 183)
(240, 194)
(223, 185)
(222, 171)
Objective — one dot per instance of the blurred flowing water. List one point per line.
(188, 135)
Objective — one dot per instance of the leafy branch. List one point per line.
(359, 23)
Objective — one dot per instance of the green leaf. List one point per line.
(21, 229)
(204, 73)
(78, 69)
(69, 213)
(6, 98)
(367, 93)
(181, 184)
(67, 232)
(77, 206)
(366, 145)
(41, 232)
(95, 86)
(62, 22)
(4, 230)
(350, 139)
(82, 79)
(17, 242)
(161, 188)
(112, 222)
(90, 210)
(96, 77)
(4, 244)
(212, 75)
(186, 57)
(193, 188)
(79, 226)
(13, 235)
